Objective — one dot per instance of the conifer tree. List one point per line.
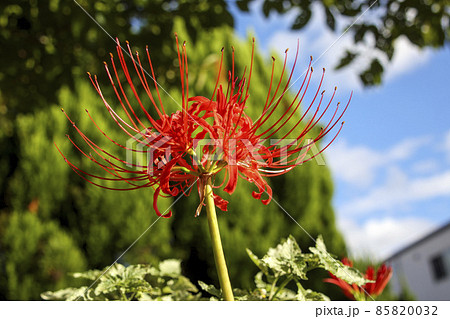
(36, 255)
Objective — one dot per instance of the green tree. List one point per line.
(35, 255)
(105, 222)
(50, 41)
(425, 23)
(102, 223)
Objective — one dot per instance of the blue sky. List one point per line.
(391, 163)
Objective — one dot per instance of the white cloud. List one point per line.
(354, 165)
(425, 166)
(398, 191)
(380, 238)
(407, 148)
(358, 165)
(406, 58)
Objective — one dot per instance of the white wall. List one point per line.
(415, 268)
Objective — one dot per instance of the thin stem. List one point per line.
(283, 284)
(219, 257)
(123, 294)
(272, 288)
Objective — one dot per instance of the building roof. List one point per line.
(434, 233)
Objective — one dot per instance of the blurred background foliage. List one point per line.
(425, 23)
(52, 222)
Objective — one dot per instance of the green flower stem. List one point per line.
(219, 257)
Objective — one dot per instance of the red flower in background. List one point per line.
(207, 135)
(374, 289)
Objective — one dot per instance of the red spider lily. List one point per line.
(372, 289)
(207, 135)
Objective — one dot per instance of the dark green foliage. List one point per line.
(103, 223)
(41, 178)
(49, 41)
(35, 255)
(423, 22)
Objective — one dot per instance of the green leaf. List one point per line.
(135, 282)
(116, 270)
(258, 262)
(120, 281)
(267, 6)
(331, 22)
(286, 259)
(210, 289)
(243, 5)
(372, 76)
(259, 282)
(346, 59)
(302, 19)
(244, 295)
(309, 295)
(137, 271)
(337, 268)
(170, 268)
(68, 294)
(184, 284)
(90, 274)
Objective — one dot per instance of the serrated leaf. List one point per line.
(68, 294)
(337, 268)
(136, 271)
(210, 289)
(116, 270)
(258, 262)
(184, 284)
(310, 295)
(105, 287)
(123, 280)
(286, 259)
(243, 295)
(170, 268)
(120, 282)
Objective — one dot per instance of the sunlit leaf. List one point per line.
(69, 294)
(210, 289)
(337, 268)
